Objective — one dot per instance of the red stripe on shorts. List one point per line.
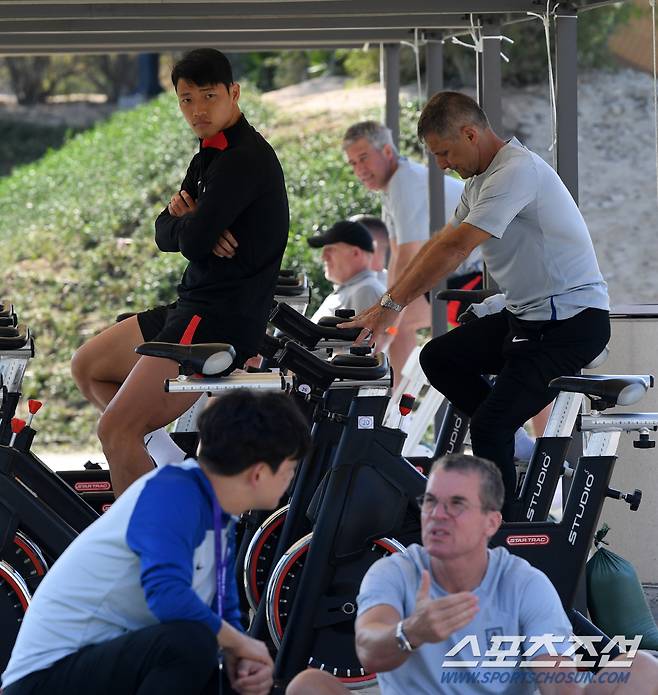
(189, 331)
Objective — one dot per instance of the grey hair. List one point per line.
(446, 112)
(492, 490)
(377, 134)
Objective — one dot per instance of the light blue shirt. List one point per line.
(514, 599)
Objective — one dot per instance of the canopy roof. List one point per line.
(29, 27)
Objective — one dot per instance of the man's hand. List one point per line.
(375, 321)
(226, 245)
(248, 663)
(181, 204)
(252, 678)
(434, 620)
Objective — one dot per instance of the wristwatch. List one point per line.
(403, 641)
(387, 302)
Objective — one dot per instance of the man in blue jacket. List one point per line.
(144, 598)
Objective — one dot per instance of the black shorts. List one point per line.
(172, 324)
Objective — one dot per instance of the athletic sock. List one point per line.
(162, 448)
(523, 445)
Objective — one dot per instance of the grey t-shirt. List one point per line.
(406, 208)
(540, 253)
(360, 292)
(514, 598)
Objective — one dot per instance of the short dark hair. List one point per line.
(203, 66)
(492, 490)
(243, 427)
(446, 112)
(375, 225)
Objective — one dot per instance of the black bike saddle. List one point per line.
(13, 338)
(609, 389)
(209, 359)
(470, 296)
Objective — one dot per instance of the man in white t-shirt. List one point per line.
(404, 188)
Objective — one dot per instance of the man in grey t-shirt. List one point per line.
(427, 617)
(538, 250)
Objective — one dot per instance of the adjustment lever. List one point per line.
(644, 442)
(632, 499)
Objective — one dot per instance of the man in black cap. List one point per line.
(347, 254)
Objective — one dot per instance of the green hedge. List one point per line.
(78, 232)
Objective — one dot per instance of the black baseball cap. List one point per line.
(353, 233)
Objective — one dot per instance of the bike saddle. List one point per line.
(606, 390)
(14, 338)
(470, 296)
(304, 331)
(288, 290)
(209, 359)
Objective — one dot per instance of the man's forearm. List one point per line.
(435, 260)
(377, 648)
(229, 637)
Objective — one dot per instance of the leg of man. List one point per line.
(164, 659)
(455, 362)
(102, 364)
(140, 406)
(315, 682)
(414, 317)
(524, 366)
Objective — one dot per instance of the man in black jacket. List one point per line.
(230, 221)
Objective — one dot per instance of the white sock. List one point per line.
(523, 444)
(162, 448)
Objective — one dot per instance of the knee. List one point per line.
(81, 366)
(113, 429)
(433, 360)
(315, 682)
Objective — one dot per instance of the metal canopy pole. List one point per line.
(392, 84)
(434, 72)
(489, 77)
(490, 91)
(566, 97)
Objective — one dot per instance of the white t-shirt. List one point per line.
(406, 207)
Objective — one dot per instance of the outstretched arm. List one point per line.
(437, 258)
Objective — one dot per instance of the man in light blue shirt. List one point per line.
(432, 619)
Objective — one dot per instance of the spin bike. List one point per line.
(370, 496)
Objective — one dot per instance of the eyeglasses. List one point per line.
(453, 506)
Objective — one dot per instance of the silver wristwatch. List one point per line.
(387, 302)
(403, 641)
